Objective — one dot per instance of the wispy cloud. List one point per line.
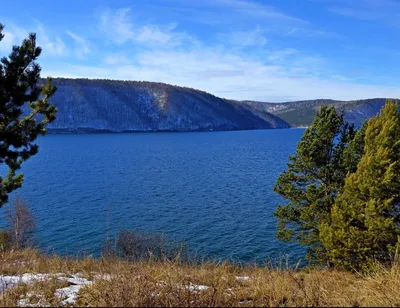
(234, 14)
(53, 46)
(246, 39)
(13, 35)
(221, 65)
(357, 13)
(82, 48)
(116, 59)
(116, 25)
(215, 12)
(259, 52)
(239, 79)
(119, 28)
(255, 10)
(385, 11)
(281, 55)
(233, 75)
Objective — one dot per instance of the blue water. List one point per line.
(213, 190)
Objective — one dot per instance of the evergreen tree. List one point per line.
(314, 177)
(25, 110)
(365, 220)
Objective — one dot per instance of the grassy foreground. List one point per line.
(176, 284)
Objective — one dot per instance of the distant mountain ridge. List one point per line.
(100, 105)
(301, 113)
(86, 105)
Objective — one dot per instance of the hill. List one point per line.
(118, 106)
(301, 113)
(93, 105)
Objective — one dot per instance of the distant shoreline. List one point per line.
(104, 131)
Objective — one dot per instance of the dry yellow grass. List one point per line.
(176, 284)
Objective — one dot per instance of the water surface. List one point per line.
(213, 190)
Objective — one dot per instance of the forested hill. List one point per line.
(111, 105)
(86, 105)
(301, 113)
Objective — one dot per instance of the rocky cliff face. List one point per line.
(301, 113)
(109, 105)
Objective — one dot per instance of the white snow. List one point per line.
(76, 280)
(68, 294)
(242, 278)
(7, 282)
(196, 287)
(191, 287)
(107, 277)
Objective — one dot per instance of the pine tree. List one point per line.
(365, 220)
(25, 110)
(314, 177)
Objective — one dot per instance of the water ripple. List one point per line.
(213, 190)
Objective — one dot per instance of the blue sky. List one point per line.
(270, 50)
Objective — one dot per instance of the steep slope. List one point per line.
(111, 105)
(301, 113)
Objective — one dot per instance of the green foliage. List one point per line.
(314, 177)
(355, 150)
(20, 91)
(365, 219)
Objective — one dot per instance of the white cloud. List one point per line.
(14, 35)
(82, 45)
(247, 38)
(236, 84)
(233, 76)
(7, 42)
(51, 47)
(116, 59)
(384, 11)
(116, 25)
(225, 68)
(119, 28)
(357, 13)
(281, 55)
(256, 10)
(153, 34)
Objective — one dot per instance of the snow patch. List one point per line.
(196, 287)
(68, 295)
(76, 280)
(242, 278)
(7, 282)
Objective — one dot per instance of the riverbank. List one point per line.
(112, 282)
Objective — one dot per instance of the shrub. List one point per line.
(134, 245)
(21, 223)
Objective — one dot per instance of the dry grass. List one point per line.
(173, 284)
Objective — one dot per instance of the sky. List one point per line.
(265, 50)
